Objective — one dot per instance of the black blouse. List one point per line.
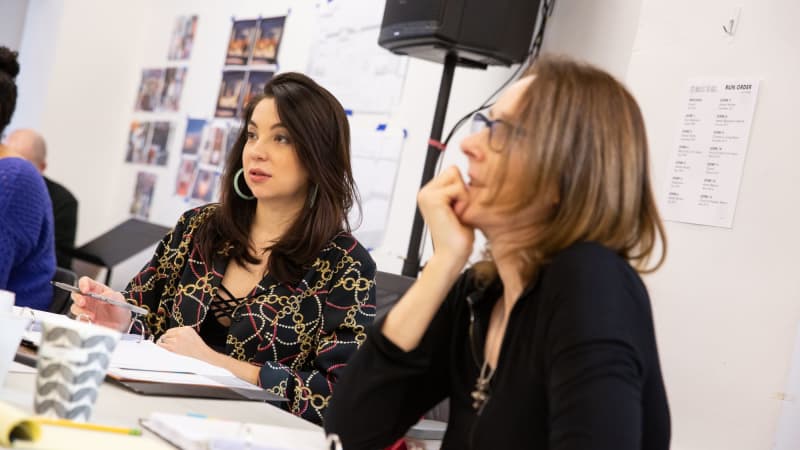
(300, 335)
(578, 367)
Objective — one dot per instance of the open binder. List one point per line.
(146, 369)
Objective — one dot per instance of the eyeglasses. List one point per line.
(500, 131)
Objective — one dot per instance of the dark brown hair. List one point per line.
(9, 68)
(318, 126)
(584, 140)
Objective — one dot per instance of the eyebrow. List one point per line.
(276, 125)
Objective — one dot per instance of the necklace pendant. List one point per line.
(481, 394)
(479, 399)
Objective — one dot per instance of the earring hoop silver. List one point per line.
(236, 186)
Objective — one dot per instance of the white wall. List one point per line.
(601, 33)
(726, 302)
(12, 20)
(36, 47)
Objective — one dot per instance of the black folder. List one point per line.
(197, 391)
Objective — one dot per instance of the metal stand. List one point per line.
(411, 265)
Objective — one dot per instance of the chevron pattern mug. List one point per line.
(72, 362)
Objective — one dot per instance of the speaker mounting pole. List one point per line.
(411, 265)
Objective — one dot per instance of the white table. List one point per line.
(121, 407)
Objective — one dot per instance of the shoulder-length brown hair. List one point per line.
(582, 135)
(318, 126)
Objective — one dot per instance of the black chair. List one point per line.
(119, 243)
(389, 288)
(61, 298)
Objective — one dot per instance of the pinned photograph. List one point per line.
(217, 134)
(254, 86)
(150, 90)
(180, 44)
(138, 138)
(240, 45)
(185, 178)
(143, 194)
(157, 150)
(230, 91)
(270, 31)
(205, 185)
(194, 136)
(174, 78)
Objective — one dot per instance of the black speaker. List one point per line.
(480, 32)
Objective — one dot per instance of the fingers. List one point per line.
(78, 310)
(87, 284)
(446, 190)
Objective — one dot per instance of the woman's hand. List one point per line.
(185, 341)
(441, 202)
(98, 312)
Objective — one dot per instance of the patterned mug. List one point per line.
(72, 362)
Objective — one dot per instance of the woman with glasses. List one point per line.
(548, 343)
(268, 283)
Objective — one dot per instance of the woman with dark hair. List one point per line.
(27, 260)
(268, 283)
(549, 342)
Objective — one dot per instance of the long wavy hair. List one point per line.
(318, 126)
(584, 136)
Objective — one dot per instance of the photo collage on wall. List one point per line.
(159, 94)
(250, 62)
(203, 155)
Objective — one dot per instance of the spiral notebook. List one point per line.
(197, 433)
(21, 430)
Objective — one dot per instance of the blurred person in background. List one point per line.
(31, 145)
(27, 251)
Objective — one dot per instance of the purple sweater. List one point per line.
(27, 254)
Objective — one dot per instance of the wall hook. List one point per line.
(729, 28)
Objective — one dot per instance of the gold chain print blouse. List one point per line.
(301, 335)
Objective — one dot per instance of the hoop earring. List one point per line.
(313, 198)
(236, 186)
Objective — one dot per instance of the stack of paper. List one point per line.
(146, 361)
(188, 433)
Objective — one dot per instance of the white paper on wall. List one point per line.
(375, 158)
(347, 60)
(707, 159)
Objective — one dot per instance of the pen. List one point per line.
(87, 426)
(102, 298)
